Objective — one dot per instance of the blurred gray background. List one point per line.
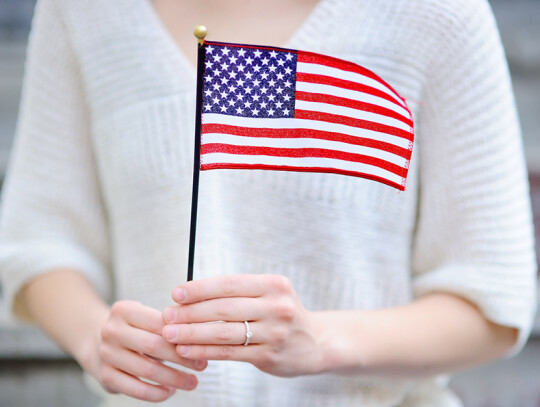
(33, 372)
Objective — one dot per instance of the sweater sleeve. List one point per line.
(52, 215)
(474, 233)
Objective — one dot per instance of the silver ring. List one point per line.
(249, 334)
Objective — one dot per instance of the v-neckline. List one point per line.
(317, 13)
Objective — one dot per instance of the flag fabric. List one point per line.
(281, 109)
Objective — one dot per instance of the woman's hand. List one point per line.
(285, 341)
(129, 352)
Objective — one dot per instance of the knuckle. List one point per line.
(107, 380)
(151, 344)
(107, 333)
(279, 336)
(224, 333)
(285, 310)
(225, 310)
(230, 285)
(148, 370)
(225, 352)
(267, 361)
(281, 283)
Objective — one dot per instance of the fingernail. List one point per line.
(183, 350)
(169, 315)
(179, 294)
(170, 332)
(200, 364)
(192, 383)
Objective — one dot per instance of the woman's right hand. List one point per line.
(129, 352)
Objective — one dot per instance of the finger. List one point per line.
(219, 333)
(140, 316)
(140, 366)
(117, 381)
(155, 346)
(250, 353)
(244, 285)
(221, 309)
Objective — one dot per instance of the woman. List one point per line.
(353, 294)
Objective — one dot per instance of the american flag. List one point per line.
(280, 109)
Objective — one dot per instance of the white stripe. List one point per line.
(350, 112)
(291, 123)
(352, 94)
(296, 143)
(221, 158)
(319, 69)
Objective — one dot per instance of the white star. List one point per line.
(239, 96)
(225, 51)
(208, 92)
(239, 110)
(272, 68)
(248, 89)
(271, 97)
(248, 75)
(223, 95)
(273, 53)
(265, 61)
(248, 104)
(223, 108)
(241, 68)
(287, 83)
(231, 102)
(223, 80)
(216, 101)
(208, 107)
(280, 76)
(272, 82)
(289, 56)
(225, 66)
(255, 112)
(209, 49)
(256, 68)
(208, 64)
(216, 86)
(217, 57)
(258, 53)
(286, 112)
(249, 60)
(232, 88)
(241, 52)
(278, 105)
(233, 74)
(256, 82)
(271, 112)
(263, 105)
(280, 62)
(234, 59)
(279, 89)
(288, 70)
(256, 98)
(263, 90)
(264, 75)
(286, 98)
(241, 82)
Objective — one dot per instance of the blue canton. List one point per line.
(249, 82)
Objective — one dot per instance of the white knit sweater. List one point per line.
(100, 181)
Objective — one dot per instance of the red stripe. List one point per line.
(348, 121)
(354, 104)
(301, 169)
(303, 153)
(342, 83)
(313, 58)
(305, 133)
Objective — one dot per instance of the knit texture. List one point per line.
(100, 181)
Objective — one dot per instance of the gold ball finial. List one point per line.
(200, 32)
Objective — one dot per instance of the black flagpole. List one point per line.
(200, 33)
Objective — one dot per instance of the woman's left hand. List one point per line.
(286, 339)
